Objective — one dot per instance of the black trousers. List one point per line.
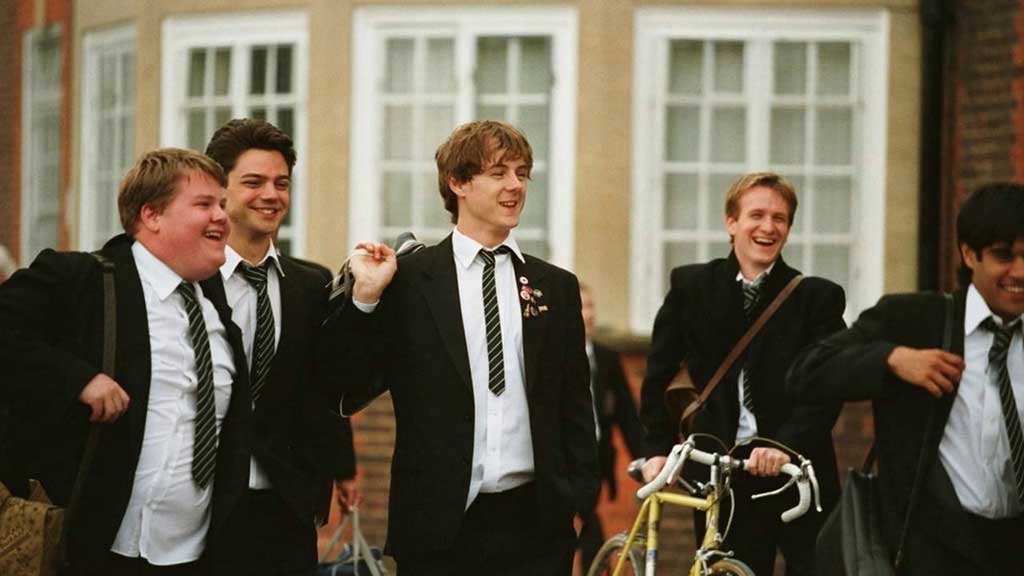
(501, 535)
(591, 538)
(979, 546)
(264, 537)
(757, 531)
(118, 565)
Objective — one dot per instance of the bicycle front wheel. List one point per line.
(729, 567)
(608, 556)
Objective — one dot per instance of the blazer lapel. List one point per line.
(440, 286)
(535, 321)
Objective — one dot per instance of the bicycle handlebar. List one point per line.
(802, 475)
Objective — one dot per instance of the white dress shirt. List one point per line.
(974, 449)
(747, 427)
(241, 297)
(502, 441)
(168, 514)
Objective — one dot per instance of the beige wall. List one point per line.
(603, 168)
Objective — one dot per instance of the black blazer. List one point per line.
(414, 346)
(615, 407)
(701, 320)
(851, 365)
(297, 433)
(51, 340)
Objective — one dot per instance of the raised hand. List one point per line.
(937, 371)
(373, 266)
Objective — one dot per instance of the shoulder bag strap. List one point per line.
(109, 350)
(740, 346)
(924, 461)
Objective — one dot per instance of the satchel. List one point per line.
(33, 530)
(681, 397)
(850, 542)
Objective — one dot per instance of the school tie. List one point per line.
(492, 322)
(263, 346)
(204, 448)
(751, 294)
(997, 355)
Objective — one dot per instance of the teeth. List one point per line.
(1014, 289)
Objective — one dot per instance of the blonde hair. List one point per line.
(769, 180)
(154, 178)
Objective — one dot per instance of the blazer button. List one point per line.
(467, 418)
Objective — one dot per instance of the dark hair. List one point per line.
(236, 136)
(994, 213)
(154, 180)
(473, 148)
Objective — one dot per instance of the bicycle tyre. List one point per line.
(729, 567)
(609, 553)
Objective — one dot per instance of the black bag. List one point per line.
(850, 542)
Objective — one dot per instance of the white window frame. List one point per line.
(94, 45)
(655, 27)
(29, 180)
(240, 30)
(369, 26)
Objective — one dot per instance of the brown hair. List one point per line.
(154, 178)
(770, 180)
(242, 134)
(474, 147)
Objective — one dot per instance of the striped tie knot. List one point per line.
(1001, 338)
(488, 256)
(752, 293)
(256, 275)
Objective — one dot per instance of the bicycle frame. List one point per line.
(650, 512)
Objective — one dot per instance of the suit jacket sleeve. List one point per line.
(35, 313)
(668, 349)
(577, 411)
(849, 365)
(810, 421)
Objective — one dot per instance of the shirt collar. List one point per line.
(741, 278)
(976, 311)
(154, 272)
(466, 249)
(232, 259)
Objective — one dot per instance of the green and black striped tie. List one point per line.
(263, 346)
(997, 355)
(204, 449)
(492, 322)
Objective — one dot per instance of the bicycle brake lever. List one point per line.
(780, 490)
(809, 470)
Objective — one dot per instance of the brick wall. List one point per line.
(10, 119)
(374, 429)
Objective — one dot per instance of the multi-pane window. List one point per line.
(108, 130)
(435, 75)
(729, 100)
(253, 67)
(41, 144)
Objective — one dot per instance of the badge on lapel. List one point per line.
(532, 305)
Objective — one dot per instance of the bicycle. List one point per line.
(640, 551)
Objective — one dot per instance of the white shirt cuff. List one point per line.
(365, 308)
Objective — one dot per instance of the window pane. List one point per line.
(682, 133)
(536, 209)
(484, 112)
(259, 113)
(680, 202)
(538, 248)
(729, 67)
(790, 67)
(440, 65)
(222, 67)
(787, 136)
(108, 81)
(128, 79)
(284, 69)
(284, 245)
(535, 65)
(719, 249)
(728, 135)
(834, 68)
(221, 115)
(677, 254)
(438, 122)
(127, 143)
(686, 64)
(535, 123)
(832, 204)
(399, 66)
(833, 137)
(397, 132)
(718, 187)
(396, 200)
(491, 65)
(832, 262)
(196, 71)
(793, 254)
(434, 213)
(798, 182)
(196, 132)
(258, 71)
(286, 120)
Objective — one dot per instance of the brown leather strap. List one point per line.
(740, 346)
